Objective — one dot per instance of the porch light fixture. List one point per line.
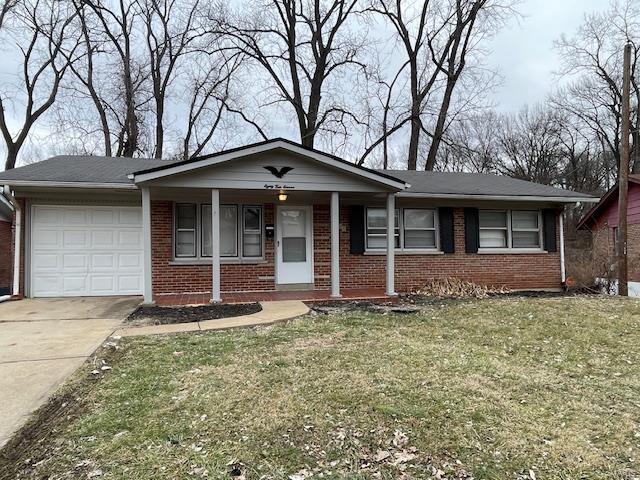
(282, 196)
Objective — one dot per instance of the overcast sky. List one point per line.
(524, 52)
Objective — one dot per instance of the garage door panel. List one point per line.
(74, 239)
(103, 216)
(71, 261)
(129, 217)
(85, 251)
(74, 217)
(47, 238)
(47, 285)
(130, 261)
(102, 238)
(129, 283)
(48, 216)
(130, 238)
(47, 261)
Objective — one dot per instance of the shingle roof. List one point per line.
(455, 183)
(115, 170)
(80, 168)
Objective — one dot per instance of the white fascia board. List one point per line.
(510, 198)
(165, 172)
(47, 184)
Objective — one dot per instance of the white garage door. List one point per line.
(86, 251)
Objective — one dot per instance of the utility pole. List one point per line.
(623, 177)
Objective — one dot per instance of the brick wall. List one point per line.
(604, 251)
(516, 271)
(6, 257)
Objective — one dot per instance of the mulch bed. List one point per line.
(167, 315)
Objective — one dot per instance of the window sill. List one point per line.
(405, 252)
(509, 251)
(223, 261)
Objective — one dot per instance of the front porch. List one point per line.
(371, 294)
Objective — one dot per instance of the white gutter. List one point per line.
(17, 239)
(563, 274)
(35, 183)
(514, 198)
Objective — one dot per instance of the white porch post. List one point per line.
(215, 246)
(146, 241)
(391, 244)
(335, 245)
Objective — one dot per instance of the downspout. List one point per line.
(17, 239)
(563, 275)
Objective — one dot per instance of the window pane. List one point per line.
(186, 216)
(252, 246)
(492, 218)
(228, 230)
(418, 218)
(377, 241)
(377, 218)
(419, 238)
(493, 238)
(252, 219)
(185, 244)
(294, 223)
(525, 239)
(524, 220)
(294, 249)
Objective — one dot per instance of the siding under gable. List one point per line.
(249, 173)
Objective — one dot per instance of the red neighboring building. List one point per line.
(602, 221)
(6, 232)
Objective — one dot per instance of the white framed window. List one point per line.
(510, 229)
(419, 228)
(415, 229)
(251, 231)
(376, 223)
(185, 228)
(192, 231)
(228, 230)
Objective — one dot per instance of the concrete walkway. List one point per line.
(271, 312)
(42, 342)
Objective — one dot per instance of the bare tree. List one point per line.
(117, 24)
(302, 46)
(437, 40)
(592, 61)
(47, 44)
(170, 31)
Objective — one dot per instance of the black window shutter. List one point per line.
(471, 230)
(356, 229)
(447, 243)
(549, 229)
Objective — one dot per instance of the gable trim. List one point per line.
(228, 155)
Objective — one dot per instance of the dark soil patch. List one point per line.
(168, 315)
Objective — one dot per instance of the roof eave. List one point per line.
(53, 184)
(522, 198)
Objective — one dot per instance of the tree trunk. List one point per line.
(439, 130)
(414, 141)
(11, 158)
(159, 129)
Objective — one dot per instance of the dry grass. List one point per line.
(496, 388)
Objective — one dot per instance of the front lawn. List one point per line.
(500, 388)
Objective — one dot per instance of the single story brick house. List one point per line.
(6, 232)
(602, 222)
(275, 216)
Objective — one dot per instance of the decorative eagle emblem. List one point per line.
(279, 173)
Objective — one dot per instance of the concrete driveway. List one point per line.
(42, 342)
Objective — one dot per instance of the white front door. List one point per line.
(294, 245)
